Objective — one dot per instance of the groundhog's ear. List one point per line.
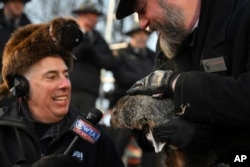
(72, 40)
(114, 111)
(65, 32)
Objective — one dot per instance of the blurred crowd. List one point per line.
(56, 75)
(91, 57)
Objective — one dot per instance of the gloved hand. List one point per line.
(189, 137)
(58, 161)
(156, 84)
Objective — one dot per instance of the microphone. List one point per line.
(85, 129)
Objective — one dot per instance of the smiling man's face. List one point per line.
(167, 17)
(172, 19)
(50, 90)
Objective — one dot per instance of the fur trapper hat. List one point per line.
(31, 43)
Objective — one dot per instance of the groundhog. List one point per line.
(141, 111)
(138, 112)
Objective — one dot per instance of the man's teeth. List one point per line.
(60, 98)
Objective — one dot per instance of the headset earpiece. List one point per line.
(19, 85)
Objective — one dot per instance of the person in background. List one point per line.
(35, 131)
(92, 55)
(205, 44)
(134, 62)
(12, 16)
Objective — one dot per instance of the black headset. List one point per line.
(19, 85)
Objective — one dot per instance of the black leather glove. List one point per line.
(189, 137)
(58, 161)
(156, 84)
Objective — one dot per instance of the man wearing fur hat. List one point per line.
(35, 129)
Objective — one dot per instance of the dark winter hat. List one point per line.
(33, 42)
(25, 1)
(87, 7)
(125, 8)
(136, 28)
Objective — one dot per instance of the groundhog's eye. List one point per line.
(114, 111)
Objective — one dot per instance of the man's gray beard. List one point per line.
(169, 44)
(172, 31)
(169, 48)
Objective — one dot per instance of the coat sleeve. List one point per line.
(107, 152)
(214, 99)
(102, 54)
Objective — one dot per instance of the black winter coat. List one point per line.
(6, 30)
(132, 66)
(220, 96)
(217, 91)
(20, 144)
(91, 56)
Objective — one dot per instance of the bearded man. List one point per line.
(206, 69)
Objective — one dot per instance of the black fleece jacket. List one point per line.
(20, 142)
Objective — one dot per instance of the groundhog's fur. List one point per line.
(141, 111)
(137, 112)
